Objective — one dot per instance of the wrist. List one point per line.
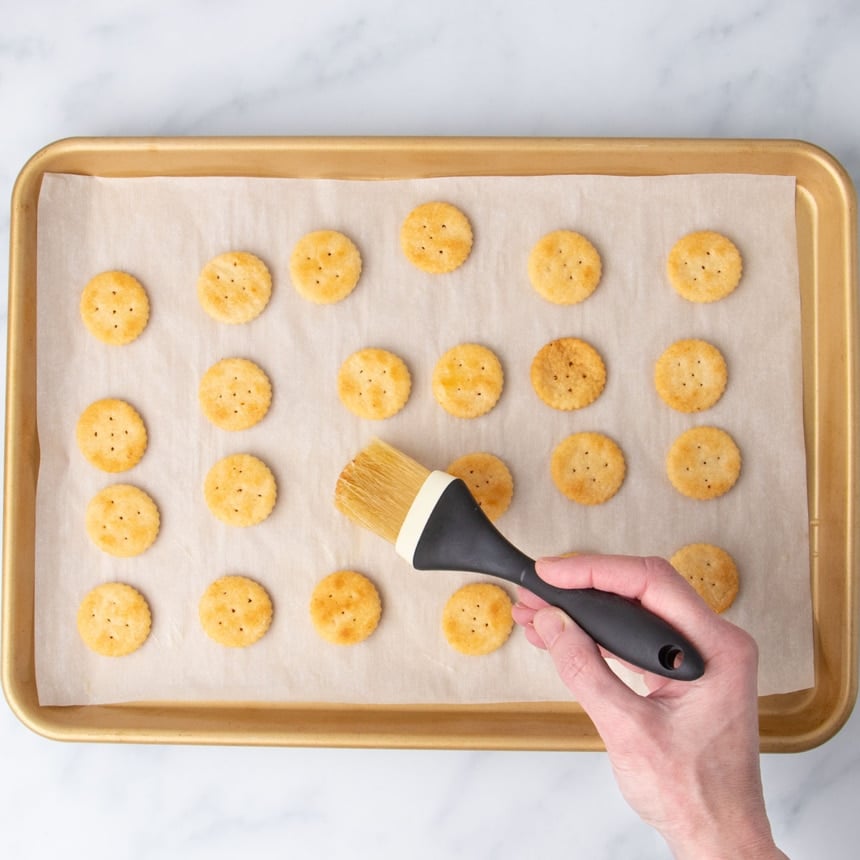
(750, 840)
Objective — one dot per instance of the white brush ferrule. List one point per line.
(419, 512)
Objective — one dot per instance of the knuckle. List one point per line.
(573, 663)
(740, 645)
(746, 647)
(658, 567)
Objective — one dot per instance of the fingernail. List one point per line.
(549, 624)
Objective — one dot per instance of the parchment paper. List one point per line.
(163, 230)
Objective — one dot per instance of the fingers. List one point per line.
(523, 613)
(632, 576)
(652, 581)
(528, 601)
(581, 667)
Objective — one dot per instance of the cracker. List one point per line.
(374, 383)
(489, 481)
(468, 380)
(703, 463)
(114, 619)
(690, 375)
(235, 611)
(568, 373)
(111, 435)
(477, 619)
(122, 520)
(240, 490)
(711, 571)
(325, 266)
(234, 287)
(115, 307)
(345, 607)
(588, 468)
(436, 237)
(235, 394)
(564, 267)
(704, 266)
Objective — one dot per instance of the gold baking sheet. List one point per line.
(826, 221)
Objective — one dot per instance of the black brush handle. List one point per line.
(458, 536)
(623, 627)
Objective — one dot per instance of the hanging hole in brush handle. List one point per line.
(623, 627)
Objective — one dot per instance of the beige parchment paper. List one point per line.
(163, 230)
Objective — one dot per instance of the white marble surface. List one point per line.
(749, 68)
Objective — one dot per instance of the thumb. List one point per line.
(580, 664)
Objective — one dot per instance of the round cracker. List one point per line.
(489, 481)
(477, 619)
(240, 490)
(711, 571)
(374, 383)
(234, 287)
(114, 619)
(436, 237)
(122, 520)
(703, 463)
(468, 380)
(325, 266)
(588, 468)
(115, 307)
(564, 267)
(568, 373)
(704, 266)
(690, 375)
(235, 611)
(111, 435)
(345, 607)
(235, 394)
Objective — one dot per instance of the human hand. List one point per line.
(685, 756)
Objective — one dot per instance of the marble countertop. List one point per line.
(737, 68)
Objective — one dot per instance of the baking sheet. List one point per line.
(164, 230)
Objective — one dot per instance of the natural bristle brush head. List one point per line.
(378, 487)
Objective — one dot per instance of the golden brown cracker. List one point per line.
(489, 481)
(122, 520)
(235, 611)
(235, 394)
(467, 380)
(588, 468)
(568, 373)
(711, 571)
(114, 619)
(690, 375)
(564, 267)
(345, 607)
(111, 435)
(374, 383)
(115, 307)
(704, 266)
(240, 490)
(703, 463)
(477, 619)
(325, 266)
(234, 287)
(436, 237)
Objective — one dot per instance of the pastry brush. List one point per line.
(435, 524)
